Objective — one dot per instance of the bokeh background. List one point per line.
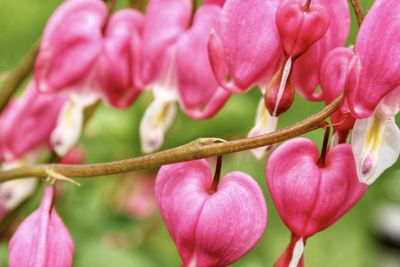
(105, 235)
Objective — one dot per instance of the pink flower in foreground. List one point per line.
(210, 227)
(42, 240)
(278, 45)
(311, 194)
(374, 100)
(87, 56)
(176, 66)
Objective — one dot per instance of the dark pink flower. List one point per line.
(309, 194)
(210, 228)
(42, 238)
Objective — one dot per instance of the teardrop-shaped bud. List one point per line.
(300, 26)
(42, 238)
(210, 227)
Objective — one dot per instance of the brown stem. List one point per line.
(15, 79)
(324, 150)
(138, 4)
(197, 149)
(358, 11)
(307, 6)
(217, 173)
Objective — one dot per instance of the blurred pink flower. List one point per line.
(210, 227)
(75, 156)
(311, 195)
(42, 240)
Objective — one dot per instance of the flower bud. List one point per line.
(42, 240)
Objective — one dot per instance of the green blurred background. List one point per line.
(105, 236)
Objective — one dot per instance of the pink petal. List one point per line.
(306, 67)
(19, 131)
(115, 68)
(71, 44)
(210, 229)
(200, 94)
(215, 2)
(165, 20)
(380, 58)
(308, 197)
(250, 41)
(42, 238)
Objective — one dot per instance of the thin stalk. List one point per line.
(217, 174)
(358, 11)
(324, 150)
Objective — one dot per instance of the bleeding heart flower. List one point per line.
(210, 227)
(311, 193)
(75, 156)
(42, 238)
(278, 45)
(19, 130)
(171, 43)
(339, 71)
(88, 56)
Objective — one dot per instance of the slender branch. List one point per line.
(15, 79)
(358, 11)
(197, 149)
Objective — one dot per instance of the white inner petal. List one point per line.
(282, 85)
(298, 251)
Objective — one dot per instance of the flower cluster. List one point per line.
(197, 56)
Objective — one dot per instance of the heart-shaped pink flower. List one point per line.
(210, 227)
(311, 195)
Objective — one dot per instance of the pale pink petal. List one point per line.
(165, 20)
(201, 97)
(115, 66)
(71, 44)
(379, 53)
(42, 238)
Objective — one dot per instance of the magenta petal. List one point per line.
(250, 40)
(19, 131)
(310, 198)
(115, 68)
(200, 94)
(307, 67)
(377, 47)
(339, 70)
(216, 2)
(210, 229)
(165, 20)
(42, 238)
(71, 44)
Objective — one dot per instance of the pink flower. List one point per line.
(176, 66)
(75, 156)
(26, 123)
(310, 194)
(42, 240)
(88, 56)
(210, 227)
(278, 45)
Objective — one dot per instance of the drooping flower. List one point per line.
(278, 45)
(176, 66)
(311, 194)
(87, 56)
(373, 101)
(210, 226)
(42, 240)
(340, 71)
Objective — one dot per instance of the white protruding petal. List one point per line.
(376, 146)
(282, 85)
(13, 193)
(156, 120)
(298, 251)
(70, 122)
(264, 123)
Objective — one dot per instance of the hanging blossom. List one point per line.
(87, 55)
(374, 96)
(176, 66)
(340, 71)
(42, 238)
(279, 46)
(311, 192)
(210, 225)
(25, 128)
